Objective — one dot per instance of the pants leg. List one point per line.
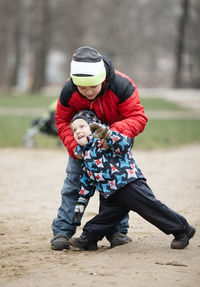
(63, 223)
(138, 196)
(121, 227)
(111, 213)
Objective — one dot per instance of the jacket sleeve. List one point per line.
(87, 187)
(119, 142)
(63, 116)
(132, 112)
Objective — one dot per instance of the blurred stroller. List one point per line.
(43, 125)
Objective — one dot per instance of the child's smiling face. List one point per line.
(81, 131)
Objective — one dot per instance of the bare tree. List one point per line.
(9, 42)
(180, 42)
(16, 44)
(192, 77)
(3, 43)
(39, 42)
(139, 36)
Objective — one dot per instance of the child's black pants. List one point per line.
(138, 197)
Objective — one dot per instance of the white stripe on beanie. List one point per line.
(87, 68)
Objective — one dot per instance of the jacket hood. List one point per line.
(109, 71)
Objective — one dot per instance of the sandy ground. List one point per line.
(31, 180)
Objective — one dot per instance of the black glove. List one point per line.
(80, 208)
(100, 131)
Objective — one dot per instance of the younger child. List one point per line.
(109, 167)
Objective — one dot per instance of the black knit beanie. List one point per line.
(87, 115)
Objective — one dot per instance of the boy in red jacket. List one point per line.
(93, 85)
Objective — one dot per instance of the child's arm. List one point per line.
(86, 190)
(120, 143)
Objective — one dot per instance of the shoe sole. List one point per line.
(180, 246)
(59, 248)
(82, 247)
(120, 243)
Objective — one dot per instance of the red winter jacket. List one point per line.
(117, 105)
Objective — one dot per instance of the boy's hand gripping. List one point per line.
(80, 208)
(100, 131)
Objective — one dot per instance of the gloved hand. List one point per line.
(80, 208)
(78, 153)
(100, 131)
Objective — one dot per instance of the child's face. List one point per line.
(90, 92)
(81, 131)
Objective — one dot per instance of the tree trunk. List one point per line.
(12, 80)
(9, 42)
(40, 39)
(180, 42)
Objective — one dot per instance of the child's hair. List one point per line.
(88, 115)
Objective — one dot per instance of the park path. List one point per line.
(186, 98)
(31, 180)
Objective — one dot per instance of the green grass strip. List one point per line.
(162, 133)
(157, 134)
(44, 100)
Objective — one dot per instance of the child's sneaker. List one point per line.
(182, 240)
(83, 243)
(118, 239)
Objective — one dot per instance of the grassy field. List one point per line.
(159, 133)
(41, 100)
(168, 133)
(26, 100)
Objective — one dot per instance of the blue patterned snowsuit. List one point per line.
(115, 174)
(107, 170)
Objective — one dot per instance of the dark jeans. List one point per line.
(138, 197)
